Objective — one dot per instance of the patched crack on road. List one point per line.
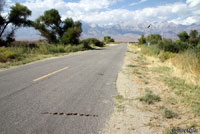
(70, 114)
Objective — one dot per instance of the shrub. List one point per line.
(142, 39)
(10, 55)
(61, 48)
(85, 43)
(183, 36)
(154, 38)
(27, 44)
(108, 39)
(181, 45)
(167, 45)
(92, 41)
(165, 56)
(2, 58)
(151, 51)
(168, 113)
(71, 36)
(150, 98)
(6, 55)
(72, 48)
(194, 39)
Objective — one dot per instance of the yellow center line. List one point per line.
(42, 77)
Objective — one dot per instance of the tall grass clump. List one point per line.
(152, 50)
(189, 61)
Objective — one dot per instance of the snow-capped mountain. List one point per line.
(127, 31)
(123, 31)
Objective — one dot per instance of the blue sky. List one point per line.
(183, 12)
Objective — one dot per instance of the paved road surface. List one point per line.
(67, 95)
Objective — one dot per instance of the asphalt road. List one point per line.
(67, 95)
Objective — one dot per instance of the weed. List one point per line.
(119, 97)
(161, 69)
(140, 77)
(189, 94)
(163, 56)
(151, 51)
(169, 113)
(130, 65)
(150, 98)
(120, 107)
(136, 71)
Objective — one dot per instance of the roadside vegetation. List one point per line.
(59, 36)
(183, 53)
(150, 98)
(155, 95)
(176, 64)
(108, 39)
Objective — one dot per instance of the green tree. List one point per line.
(49, 25)
(154, 38)
(54, 29)
(194, 39)
(193, 34)
(142, 39)
(108, 39)
(112, 40)
(18, 17)
(71, 36)
(183, 36)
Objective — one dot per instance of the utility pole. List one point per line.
(149, 42)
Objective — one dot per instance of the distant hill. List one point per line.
(126, 31)
(123, 31)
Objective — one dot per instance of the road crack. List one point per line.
(70, 114)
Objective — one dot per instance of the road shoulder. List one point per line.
(145, 104)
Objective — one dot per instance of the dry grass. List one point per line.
(188, 62)
(174, 105)
(180, 98)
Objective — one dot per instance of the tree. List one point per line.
(193, 34)
(142, 39)
(183, 36)
(112, 40)
(154, 38)
(18, 17)
(54, 29)
(108, 39)
(194, 39)
(49, 25)
(71, 36)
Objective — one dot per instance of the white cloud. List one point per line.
(187, 21)
(160, 13)
(96, 11)
(193, 3)
(136, 3)
(66, 8)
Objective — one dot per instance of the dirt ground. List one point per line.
(142, 74)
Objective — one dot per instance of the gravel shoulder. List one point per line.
(134, 112)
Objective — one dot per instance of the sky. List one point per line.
(185, 12)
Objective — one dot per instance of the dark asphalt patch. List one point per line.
(70, 114)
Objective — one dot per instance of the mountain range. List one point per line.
(123, 31)
(128, 31)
